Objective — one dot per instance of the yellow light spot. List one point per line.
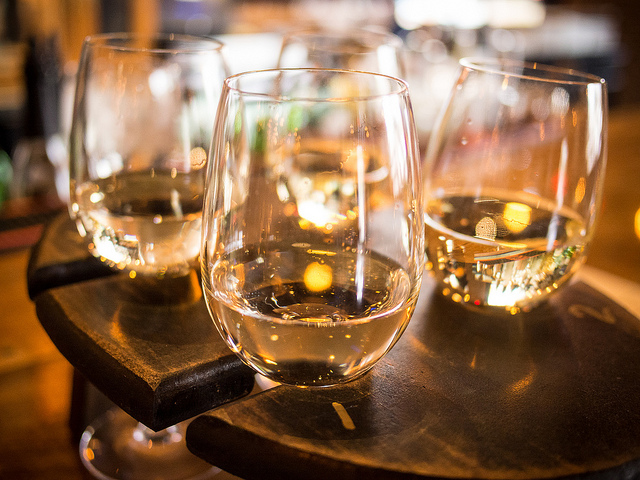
(304, 223)
(637, 223)
(456, 297)
(274, 337)
(517, 216)
(198, 158)
(446, 292)
(332, 357)
(318, 277)
(88, 454)
(344, 416)
(581, 188)
(328, 253)
(132, 274)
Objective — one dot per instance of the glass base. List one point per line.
(116, 446)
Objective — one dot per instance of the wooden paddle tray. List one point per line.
(151, 349)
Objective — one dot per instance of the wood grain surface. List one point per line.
(149, 345)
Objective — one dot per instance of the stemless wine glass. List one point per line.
(363, 49)
(312, 230)
(513, 182)
(141, 130)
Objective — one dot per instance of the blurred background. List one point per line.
(40, 43)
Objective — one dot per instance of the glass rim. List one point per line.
(231, 81)
(506, 67)
(190, 43)
(387, 38)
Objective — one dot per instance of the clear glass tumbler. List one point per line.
(140, 135)
(312, 246)
(513, 182)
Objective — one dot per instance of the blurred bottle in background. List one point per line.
(33, 170)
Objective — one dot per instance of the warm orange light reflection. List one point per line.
(516, 216)
(523, 383)
(636, 224)
(318, 277)
(580, 190)
(115, 327)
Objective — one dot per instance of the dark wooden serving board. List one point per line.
(149, 345)
(554, 393)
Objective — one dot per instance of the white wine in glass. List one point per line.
(513, 182)
(313, 238)
(140, 135)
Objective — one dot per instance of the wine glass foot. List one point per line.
(116, 446)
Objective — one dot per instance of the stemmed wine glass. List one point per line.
(312, 246)
(513, 182)
(141, 130)
(362, 49)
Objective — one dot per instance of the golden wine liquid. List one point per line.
(506, 253)
(308, 316)
(143, 222)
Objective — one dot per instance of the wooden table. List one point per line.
(406, 403)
